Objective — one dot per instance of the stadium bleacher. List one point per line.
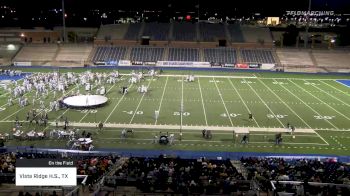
(235, 33)
(184, 31)
(220, 55)
(109, 53)
(112, 31)
(257, 56)
(332, 59)
(157, 31)
(183, 54)
(133, 31)
(294, 57)
(211, 32)
(146, 54)
(254, 34)
(73, 53)
(38, 53)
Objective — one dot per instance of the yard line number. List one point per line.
(324, 117)
(246, 82)
(139, 112)
(311, 83)
(233, 115)
(183, 114)
(88, 111)
(276, 116)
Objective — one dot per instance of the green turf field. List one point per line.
(318, 106)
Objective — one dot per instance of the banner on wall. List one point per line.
(242, 65)
(254, 66)
(267, 66)
(22, 63)
(183, 64)
(124, 62)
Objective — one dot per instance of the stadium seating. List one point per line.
(257, 56)
(113, 31)
(37, 53)
(332, 59)
(133, 31)
(156, 31)
(211, 32)
(146, 54)
(302, 170)
(7, 53)
(183, 54)
(184, 31)
(294, 57)
(178, 176)
(220, 55)
(74, 53)
(254, 34)
(235, 33)
(109, 53)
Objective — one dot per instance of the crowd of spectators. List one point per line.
(201, 176)
(303, 170)
(184, 176)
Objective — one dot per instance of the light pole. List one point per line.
(64, 22)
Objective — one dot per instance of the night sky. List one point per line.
(224, 4)
(27, 10)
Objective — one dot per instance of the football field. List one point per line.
(318, 108)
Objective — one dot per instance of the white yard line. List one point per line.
(292, 111)
(264, 103)
(138, 105)
(115, 106)
(247, 77)
(318, 144)
(307, 105)
(336, 88)
(182, 101)
(285, 104)
(200, 76)
(161, 99)
(320, 100)
(228, 114)
(205, 114)
(331, 95)
(88, 112)
(242, 101)
(213, 141)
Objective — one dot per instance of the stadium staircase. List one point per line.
(128, 53)
(92, 53)
(227, 34)
(198, 37)
(277, 59)
(141, 30)
(14, 55)
(100, 190)
(201, 55)
(240, 168)
(313, 59)
(57, 52)
(239, 57)
(170, 35)
(165, 54)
